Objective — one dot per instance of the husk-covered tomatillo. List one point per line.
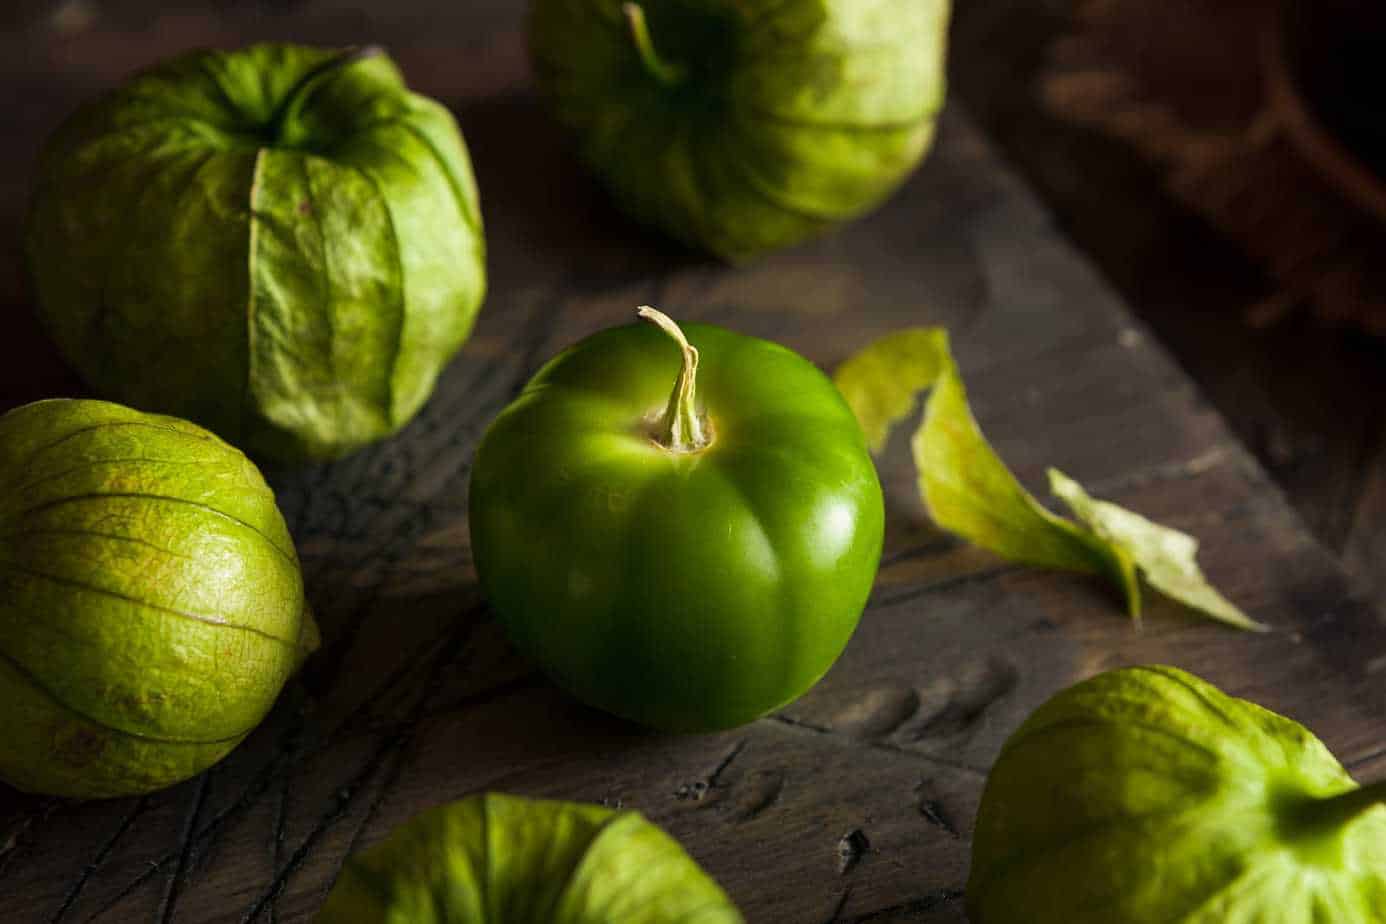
(497, 859)
(151, 606)
(281, 243)
(1147, 796)
(682, 530)
(742, 126)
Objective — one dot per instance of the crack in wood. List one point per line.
(340, 805)
(880, 745)
(27, 824)
(930, 901)
(938, 546)
(387, 749)
(1364, 759)
(98, 860)
(172, 888)
(290, 751)
(943, 584)
(396, 766)
(277, 841)
(715, 778)
(1225, 450)
(390, 554)
(387, 555)
(279, 834)
(382, 791)
(935, 814)
(836, 916)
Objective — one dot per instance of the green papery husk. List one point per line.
(772, 122)
(495, 858)
(1147, 796)
(151, 605)
(281, 243)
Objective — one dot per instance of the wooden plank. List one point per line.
(1298, 393)
(853, 804)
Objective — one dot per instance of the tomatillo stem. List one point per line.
(661, 70)
(1343, 807)
(680, 429)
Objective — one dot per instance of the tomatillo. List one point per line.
(281, 243)
(498, 859)
(1146, 795)
(743, 126)
(689, 561)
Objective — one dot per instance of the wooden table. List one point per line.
(854, 804)
(1301, 394)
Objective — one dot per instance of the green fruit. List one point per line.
(151, 606)
(1147, 796)
(496, 859)
(281, 243)
(690, 566)
(741, 126)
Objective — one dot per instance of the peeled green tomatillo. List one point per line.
(1147, 796)
(496, 859)
(689, 561)
(151, 606)
(281, 243)
(742, 126)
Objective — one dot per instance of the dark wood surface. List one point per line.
(1302, 395)
(854, 804)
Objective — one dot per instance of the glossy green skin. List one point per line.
(1147, 796)
(795, 114)
(685, 591)
(281, 243)
(496, 859)
(150, 600)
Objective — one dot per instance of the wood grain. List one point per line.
(854, 804)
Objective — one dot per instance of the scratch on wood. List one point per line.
(878, 745)
(948, 583)
(348, 793)
(841, 905)
(382, 791)
(926, 903)
(344, 797)
(278, 836)
(173, 887)
(923, 550)
(934, 813)
(542, 320)
(715, 779)
(1224, 451)
(288, 753)
(532, 680)
(98, 860)
(25, 825)
(698, 789)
